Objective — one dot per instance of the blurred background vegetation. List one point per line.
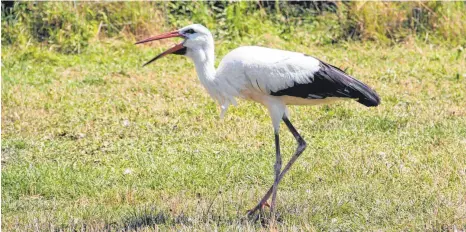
(69, 27)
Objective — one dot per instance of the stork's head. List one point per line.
(196, 37)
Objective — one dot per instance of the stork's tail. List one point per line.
(353, 88)
(367, 96)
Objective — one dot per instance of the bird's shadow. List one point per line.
(150, 217)
(147, 217)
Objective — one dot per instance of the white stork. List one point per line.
(272, 77)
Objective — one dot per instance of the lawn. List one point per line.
(95, 141)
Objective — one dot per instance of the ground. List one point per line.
(96, 141)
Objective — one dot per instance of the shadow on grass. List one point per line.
(150, 217)
(147, 217)
(139, 219)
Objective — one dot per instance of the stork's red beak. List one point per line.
(177, 49)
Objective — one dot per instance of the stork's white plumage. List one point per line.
(272, 77)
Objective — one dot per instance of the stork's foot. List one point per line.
(259, 207)
(258, 214)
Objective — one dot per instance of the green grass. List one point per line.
(94, 141)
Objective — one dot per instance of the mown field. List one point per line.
(93, 141)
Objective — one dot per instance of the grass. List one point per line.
(94, 141)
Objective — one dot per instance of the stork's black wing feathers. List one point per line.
(330, 81)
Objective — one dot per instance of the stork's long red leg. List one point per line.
(299, 150)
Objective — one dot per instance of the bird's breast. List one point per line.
(290, 100)
(287, 100)
(252, 95)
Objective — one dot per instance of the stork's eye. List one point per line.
(190, 31)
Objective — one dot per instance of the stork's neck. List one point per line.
(204, 60)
